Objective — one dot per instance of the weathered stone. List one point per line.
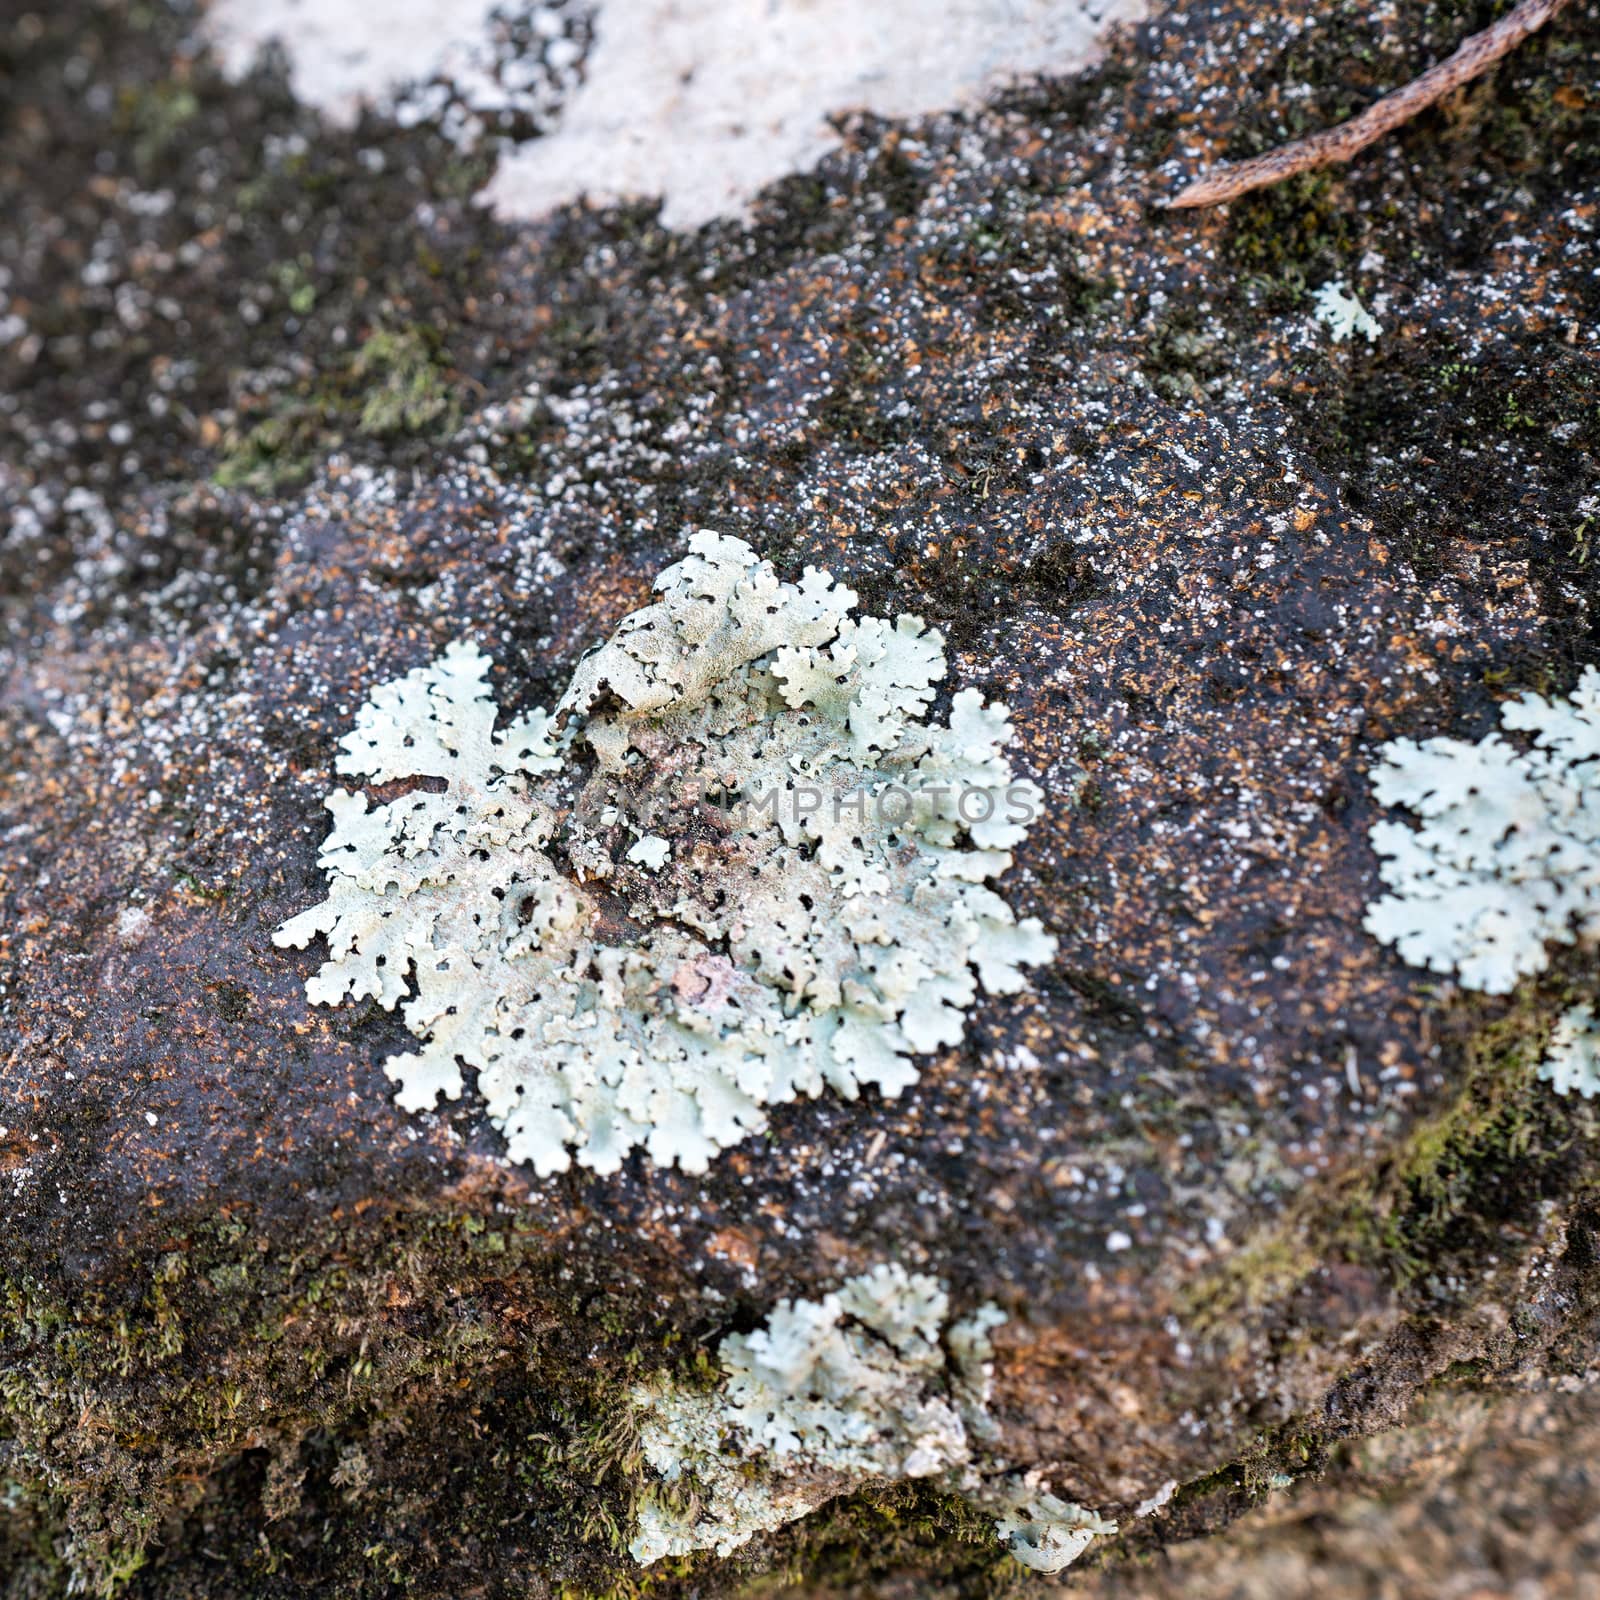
(1249, 1189)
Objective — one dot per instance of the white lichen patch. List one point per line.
(650, 852)
(1572, 1063)
(735, 866)
(1506, 860)
(870, 1384)
(1343, 314)
(1040, 1530)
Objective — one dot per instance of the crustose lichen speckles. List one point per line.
(872, 1383)
(734, 866)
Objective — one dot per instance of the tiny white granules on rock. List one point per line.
(734, 866)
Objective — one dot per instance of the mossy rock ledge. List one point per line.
(1300, 1262)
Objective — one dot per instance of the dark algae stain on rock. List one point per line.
(1277, 1221)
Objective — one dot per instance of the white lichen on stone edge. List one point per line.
(871, 1384)
(734, 866)
(1343, 314)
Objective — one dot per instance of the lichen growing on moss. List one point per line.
(734, 866)
(871, 1384)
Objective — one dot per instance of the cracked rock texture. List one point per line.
(1296, 1251)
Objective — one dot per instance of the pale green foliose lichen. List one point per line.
(871, 1384)
(1041, 1531)
(1572, 1063)
(735, 865)
(1506, 860)
(1343, 314)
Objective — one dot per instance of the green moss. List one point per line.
(113, 1407)
(1261, 1273)
(901, 1528)
(397, 384)
(152, 118)
(1487, 1156)
(402, 378)
(1483, 1157)
(1287, 238)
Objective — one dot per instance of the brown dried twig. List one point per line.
(1334, 145)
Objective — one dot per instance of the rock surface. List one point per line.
(1297, 1255)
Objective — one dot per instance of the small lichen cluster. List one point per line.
(1343, 314)
(871, 1384)
(734, 866)
(1506, 861)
